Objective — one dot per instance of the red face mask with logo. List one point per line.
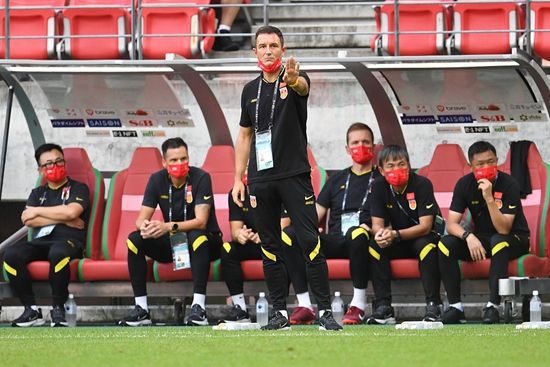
(55, 174)
(488, 172)
(397, 177)
(361, 154)
(178, 170)
(270, 69)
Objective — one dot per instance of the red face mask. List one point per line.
(245, 179)
(397, 177)
(361, 154)
(55, 174)
(178, 170)
(270, 69)
(489, 172)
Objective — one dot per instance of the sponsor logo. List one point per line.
(140, 123)
(455, 119)
(512, 206)
(177, 123)
(98, 133)
(493, 118)
(153, 133)
(492, 107)
(476, 129)
(420, 109)
(452, 109)
(104, 123)
(125, 134)
(525, 107)
(308, 197)
(417, 120)
(506, 129)
(68, 123)
(59, 112)
(98, 112)
(137, 113)
(530, 117)
(449, 129)
(429, 206)
(207, 197)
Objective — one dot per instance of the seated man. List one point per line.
(346, 194)
(57, 212)
(403, 211)
(501, 231)
(184, 195)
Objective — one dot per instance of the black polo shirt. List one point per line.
(506, 193)
(243, 214)
(73, 192)
(196, 191)
(416, 201)
(332, 196)
(289, 139)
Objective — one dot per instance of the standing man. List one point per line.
(57, 212)
(184, 195)
(403, 212)
(501, 231)
(346, 194)
(273, 135)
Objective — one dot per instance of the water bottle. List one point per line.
(337, 307)
(70, 311)
(262, 309)
(535, 308)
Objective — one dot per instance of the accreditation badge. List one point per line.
(180, 251)
(264, 154)
(189, 194)
(498, 199)
(411, 200)
(349, 220)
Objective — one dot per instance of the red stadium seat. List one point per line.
(122, 208)
(114, 22)
(540, 20)
(220, 164)
(31, 23)
(535, 208)
(176, 20)
(80, 168)
(412, 18)
(495, 16)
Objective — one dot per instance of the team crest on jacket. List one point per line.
(498, 199)
(253, 202)
(189, 194)
(411, 200)
(283, 91)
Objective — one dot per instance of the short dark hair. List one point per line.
(47, 147)
(392, 152)
(269, 29)
(359, 126)
(173, 143)
(480, 147)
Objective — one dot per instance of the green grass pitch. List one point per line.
(467, 345)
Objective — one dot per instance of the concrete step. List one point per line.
(298, 12)
(300, 52)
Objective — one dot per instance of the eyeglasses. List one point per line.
(49, 164)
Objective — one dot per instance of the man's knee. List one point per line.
(500, 244)
(426, 248)
(134, 242)
(357, 237)
(445, 246)
(288, 235)
(229, 251)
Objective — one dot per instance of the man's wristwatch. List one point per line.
(466, 234)
(175, 227)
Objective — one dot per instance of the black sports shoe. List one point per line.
(29, 317)
(490, 315)
(197, 316)
(277, 322)
(383, 315)
(237, 314)
(225, 43)
(327, 322)
(432, 312)
(453, 316)
(57, 315)
(138, 317)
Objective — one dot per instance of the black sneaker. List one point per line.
(29, 317)
(237, 314)
(225, 43)
(58, 317)
(197, 316)
(138, 317)
(277, 322)
(490, 315)
(383, 315)
(453, 316)
(432, 313)
(327, 322)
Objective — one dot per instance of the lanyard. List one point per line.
(170, 202)
(270, 125)
(364, 198)
(401, 207)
